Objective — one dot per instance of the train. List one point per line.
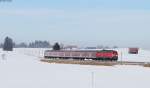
(106, 55)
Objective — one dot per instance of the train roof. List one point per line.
(81, 50)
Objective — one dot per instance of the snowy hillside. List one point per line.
(19, 70)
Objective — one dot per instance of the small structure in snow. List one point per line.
(3, 56)
(133, 50)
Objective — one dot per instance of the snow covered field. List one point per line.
(142, 56)
(22, 69)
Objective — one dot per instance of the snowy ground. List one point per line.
(142, 56)
(26, 71)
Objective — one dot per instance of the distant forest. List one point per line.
(45, 44)
(35, 44)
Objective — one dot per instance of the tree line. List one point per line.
(36, 44)
(8, 45)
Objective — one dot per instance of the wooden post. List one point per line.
(92, 80)
(121, 58)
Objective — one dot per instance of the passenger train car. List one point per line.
(110, 55)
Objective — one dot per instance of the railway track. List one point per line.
(93, 62)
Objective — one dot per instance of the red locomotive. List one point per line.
(82, 54)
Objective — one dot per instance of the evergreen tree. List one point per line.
(8, 44)
(56, 46)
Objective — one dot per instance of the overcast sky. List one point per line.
(125, 23)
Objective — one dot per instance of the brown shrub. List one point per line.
(147, 65)
(80, 62)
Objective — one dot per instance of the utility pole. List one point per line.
(121, 58)
(92, 79)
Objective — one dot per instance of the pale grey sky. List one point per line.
(83, 22)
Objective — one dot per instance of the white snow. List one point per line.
(20, 70)
(142, 56)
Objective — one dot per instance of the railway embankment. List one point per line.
(94, 62)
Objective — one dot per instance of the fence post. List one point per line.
(121, 58)
(92, 80)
